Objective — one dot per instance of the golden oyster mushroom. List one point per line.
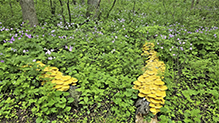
(158, 106)
(66, 78)
(137, 83)
(154, 100)
(141, 78)
(162, 88)
(141, 95)
(58, 75)
(64, 88)
(162, 101)
(58, 86)
(159, 93)
(159, 82)
(74, 80)
(151, 95)
(73, 84)
(153, 110)
(135, 87)
(152, 105)
(145, 91)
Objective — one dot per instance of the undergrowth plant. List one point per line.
(105, 56)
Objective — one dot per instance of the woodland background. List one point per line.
(99, 42)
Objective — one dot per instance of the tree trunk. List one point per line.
(93, 8)
(29, 12)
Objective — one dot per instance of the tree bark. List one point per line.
(29, 12)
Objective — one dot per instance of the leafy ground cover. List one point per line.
(105, 57)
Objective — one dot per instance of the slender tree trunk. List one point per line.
(69, 11)
(29, 12)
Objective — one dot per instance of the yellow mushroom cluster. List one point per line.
(150, 84)
(55, 76)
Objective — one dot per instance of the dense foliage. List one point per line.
(105, 57)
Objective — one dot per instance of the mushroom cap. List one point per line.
(136, 87)
(57, 81)
(153, 87)
(67, 82)
(141, 95)
(154, 100)
(54, 68)
(152, 105)
(159, 98)
(64, 88)
(158, 106)
(149, 72)
(162, 88)
(141, 78)
(58, 75)
(152, 95)
(145, 91)
(153, 110)
(66, 78)
(137, 83)
(161, 93)
(74, 80)
(159, 82)
(162, 101)
(58, 86)
(73, 84)
(47, 69)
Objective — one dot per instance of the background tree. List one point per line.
(29, 12)
(93, 8)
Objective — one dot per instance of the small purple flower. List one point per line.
(181, 48)
(161, 47)
(183, 42)
(158, 43)
(34, 60)
(48, 52)
(66, 47)
(170, 49)
(50, 58)
(2, 61)
(12, 39)
(113, 41)
(70, 48)
(1, 53)
(53, 31)
(115, 36)
(180, 42)
(174, 54)
(190, 48)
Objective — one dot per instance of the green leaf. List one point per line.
(85, 99)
